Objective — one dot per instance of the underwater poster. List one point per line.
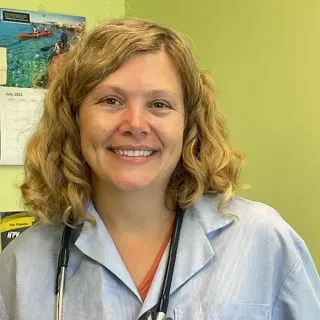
(34, 41)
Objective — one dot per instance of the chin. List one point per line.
(131, 186)
(131, 183)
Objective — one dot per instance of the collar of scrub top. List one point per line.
(200, 222)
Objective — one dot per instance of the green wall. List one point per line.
(265, 60)
(265, 56)
(94, 11)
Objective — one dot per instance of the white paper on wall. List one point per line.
(20, 111)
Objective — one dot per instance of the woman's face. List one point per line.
(132, 123)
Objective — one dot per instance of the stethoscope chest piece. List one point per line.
(158, 316)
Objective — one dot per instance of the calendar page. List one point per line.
(20, 111)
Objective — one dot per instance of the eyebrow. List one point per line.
(117, 89)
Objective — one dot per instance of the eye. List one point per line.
(160, 105)
(110, 100)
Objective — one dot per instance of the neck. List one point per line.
(132, 212)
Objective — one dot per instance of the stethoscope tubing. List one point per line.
(162, 306)
(165, 292)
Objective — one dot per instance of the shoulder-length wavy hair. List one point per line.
(56, 183)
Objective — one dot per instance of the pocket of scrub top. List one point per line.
(228, 311)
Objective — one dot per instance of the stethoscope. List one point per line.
(158, 312)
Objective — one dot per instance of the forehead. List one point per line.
(154, 71)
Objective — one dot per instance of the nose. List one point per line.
(134, 121)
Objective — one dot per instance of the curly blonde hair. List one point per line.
(57, 184)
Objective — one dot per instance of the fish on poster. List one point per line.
(34, 41)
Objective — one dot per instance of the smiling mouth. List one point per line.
(133, 153)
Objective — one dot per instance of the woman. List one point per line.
(61, 47)
(130, 138)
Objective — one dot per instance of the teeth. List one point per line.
(133, 153)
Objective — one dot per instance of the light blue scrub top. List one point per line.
(253, 268)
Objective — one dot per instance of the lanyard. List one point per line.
(158, 312)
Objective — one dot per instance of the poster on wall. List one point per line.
(12, 224)
(33, 42)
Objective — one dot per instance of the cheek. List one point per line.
(177, 132)
(93, 137)
(94, 129)
(173, 137)
(171, 129)
(87, 133)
